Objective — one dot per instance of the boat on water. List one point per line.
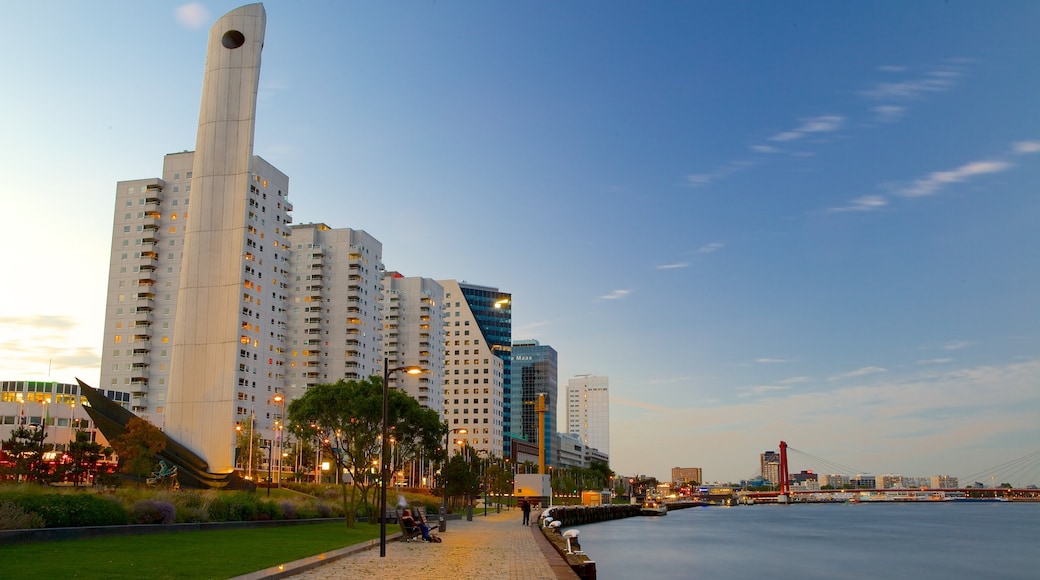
(653, 507)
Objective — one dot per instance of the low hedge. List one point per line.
(61, 510)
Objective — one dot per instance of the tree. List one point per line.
(461, 479)
(346, 419)
(85, 455)
(26, 448)
(138, 447)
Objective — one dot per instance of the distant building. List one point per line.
(477, 335)
(570, 451)
(413, 334)
(57, 406)
(769, 466)
(835, 480)
(588, 410)
(533, 373)
(863, 481)
(686, 475)
(890, 481)
(944, 482)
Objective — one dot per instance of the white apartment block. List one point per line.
(336, 316)
(413, 335)
(144, 276)
(588, 410)
(473, 377)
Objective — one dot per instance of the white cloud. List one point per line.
(865, 203)
(699, 179)
(762, 389)
(674, 266)
(934, 81)
(193, 15)
(615, 295)
(709, 248)
(888, 113)
(1026, 147)
(765, 149)
(891, 68)
(936, 180)
(957, 345)
(766, 361)
(934, 361)
(857, 373)
(818, 124)
(794, 380)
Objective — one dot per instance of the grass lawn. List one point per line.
(210, 554)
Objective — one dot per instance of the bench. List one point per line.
(408, 535)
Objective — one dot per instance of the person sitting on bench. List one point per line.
(410, 524)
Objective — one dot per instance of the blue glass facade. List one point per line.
(494, 313)
(534, 372)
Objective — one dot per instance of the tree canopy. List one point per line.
(346, 419)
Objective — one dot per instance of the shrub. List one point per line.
(192, 515)
(324, 510)
(150, 511)
(288, 510)
(67, 510)
(217, 510)
(13, 517)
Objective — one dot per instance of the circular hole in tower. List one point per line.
(233, 39)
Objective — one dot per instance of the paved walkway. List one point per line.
(495, 546)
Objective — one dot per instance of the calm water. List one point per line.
(875, 541)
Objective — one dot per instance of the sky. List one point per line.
(806, 221)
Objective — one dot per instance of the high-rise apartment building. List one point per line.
(588, 410)
(477, 335)
(413, 335)
(533, 373)
(336, 307)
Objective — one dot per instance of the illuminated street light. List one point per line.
(384, 453)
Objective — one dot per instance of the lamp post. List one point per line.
(447, 454)
(385, 443)
(280, 429)
(270, 446)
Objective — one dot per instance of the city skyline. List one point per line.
(761, 222)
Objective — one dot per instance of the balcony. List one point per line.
(312, 374)
(139, 381)
(144, 304)
(139, 351)
(312, 331)
(150, 223)
(312, 341)
(353, 353)
(317, 275)
(150, 237)
(142, 335)
(312, 320)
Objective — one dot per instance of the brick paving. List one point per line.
(495, 546)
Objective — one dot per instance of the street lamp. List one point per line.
(383, 455)
(447, 454)
(280, 428)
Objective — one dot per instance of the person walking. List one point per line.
(525, 507)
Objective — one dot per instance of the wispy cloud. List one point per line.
(891, 68)
(794, 380)
(702, 179)
(770, 361)
(865, 203)
(818, 124)
(937, 180)
(861, 372)
(888, 113)
(937, 80)
(765, 149)
(709, 248)
(760, 390)
(1026, 147)
(934, 361)
(193, 15)
(957, 345)
(615, 295)
(674, 266)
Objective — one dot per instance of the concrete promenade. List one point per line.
(495, 546)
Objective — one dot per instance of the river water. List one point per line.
(948, 540)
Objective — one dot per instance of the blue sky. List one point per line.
(809, 221)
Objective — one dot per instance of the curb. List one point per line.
(311, 562)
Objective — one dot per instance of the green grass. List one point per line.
(209, 554)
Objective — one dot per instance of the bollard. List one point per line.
(469, 512)
(442, 523)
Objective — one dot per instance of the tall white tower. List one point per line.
(231, 302)
(413, 334)
(588, 410)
